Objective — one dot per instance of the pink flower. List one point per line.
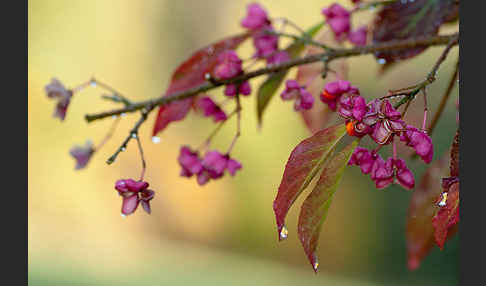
(82, 155)
(333, 90)
(352, 107)
(256, 17)
(420, 141)
(215, 164)
(384, 120)
(56, 90)
(265, 44)
(229, 65)
(363, 158)
(211, 109)
(233, 166)
(278, 57)
(134, 192)
(145, 197)
(358, 37)
(189, 161)
(404, 175)
(245, 89)
(381, 171)
(338, 19)
(293, 91)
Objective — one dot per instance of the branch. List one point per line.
(431, 76)
(443, 102)
(326, 57)
(133, 134)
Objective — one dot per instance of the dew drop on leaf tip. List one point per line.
(284, 233)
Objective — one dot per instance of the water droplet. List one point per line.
(134, 135)
(284, 233)
(123, 215)
(123, 148)
(123, 114)
(315, 265)
(155, 139)
(207, 76)
(444, 200)
(381, 61)
(114, 116)
(92, 83)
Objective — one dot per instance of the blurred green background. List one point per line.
(222, 233)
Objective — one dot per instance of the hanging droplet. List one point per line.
(134, 135)
(381, 61)
(284, 233)
(123, 114)
(123, 215)
(207, 76)
(315, 265)
(123, 149)
(443, 202)
(93, 83)
(155, 139)
(114, 116)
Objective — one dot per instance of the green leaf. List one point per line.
(273, 81)
(316, 206)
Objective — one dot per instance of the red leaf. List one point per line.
(303, 164)
(447, 216)
(400, 21)
(315, 207)
(310, 76)
(420, 233)
(190, 74)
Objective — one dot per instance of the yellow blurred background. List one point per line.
(219, 234)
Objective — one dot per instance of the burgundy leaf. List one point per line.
(310, 76)
(447, 216)
(400, 21)
(190, 74)
(303, 164)
(315, 207)
(420, 232)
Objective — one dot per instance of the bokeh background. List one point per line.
(222, 233)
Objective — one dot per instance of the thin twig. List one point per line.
(445, 97)
(329, 55)
(133, 133)
(116, 94)
(424, 90)
(141, 155)
(109, 134)
(238, 119)
(299, 38)
(216, 130)
(431, 75)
